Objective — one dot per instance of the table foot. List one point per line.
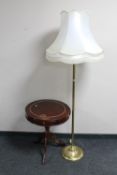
(53, 140)
(45, 139)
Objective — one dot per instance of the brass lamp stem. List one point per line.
(73, 103)
(73, 152)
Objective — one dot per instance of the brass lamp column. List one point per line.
(72, 152)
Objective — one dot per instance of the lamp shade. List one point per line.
(74, 43)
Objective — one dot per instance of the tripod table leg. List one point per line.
(45, 144)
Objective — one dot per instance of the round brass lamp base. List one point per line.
(72, 153)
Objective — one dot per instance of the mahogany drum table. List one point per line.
(47, 113)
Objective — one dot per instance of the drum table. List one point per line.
(47, 113)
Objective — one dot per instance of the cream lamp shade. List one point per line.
(75, 42)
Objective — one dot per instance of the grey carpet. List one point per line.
(20, 156)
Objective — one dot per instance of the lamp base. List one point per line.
(72, 152)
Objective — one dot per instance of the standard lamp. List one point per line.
(73, 45)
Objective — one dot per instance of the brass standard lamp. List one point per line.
(74, 44)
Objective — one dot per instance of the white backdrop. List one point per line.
(27, 28)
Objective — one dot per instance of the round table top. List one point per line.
(47, 112)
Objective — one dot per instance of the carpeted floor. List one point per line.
(20, 156)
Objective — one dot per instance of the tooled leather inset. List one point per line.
(46, 117)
